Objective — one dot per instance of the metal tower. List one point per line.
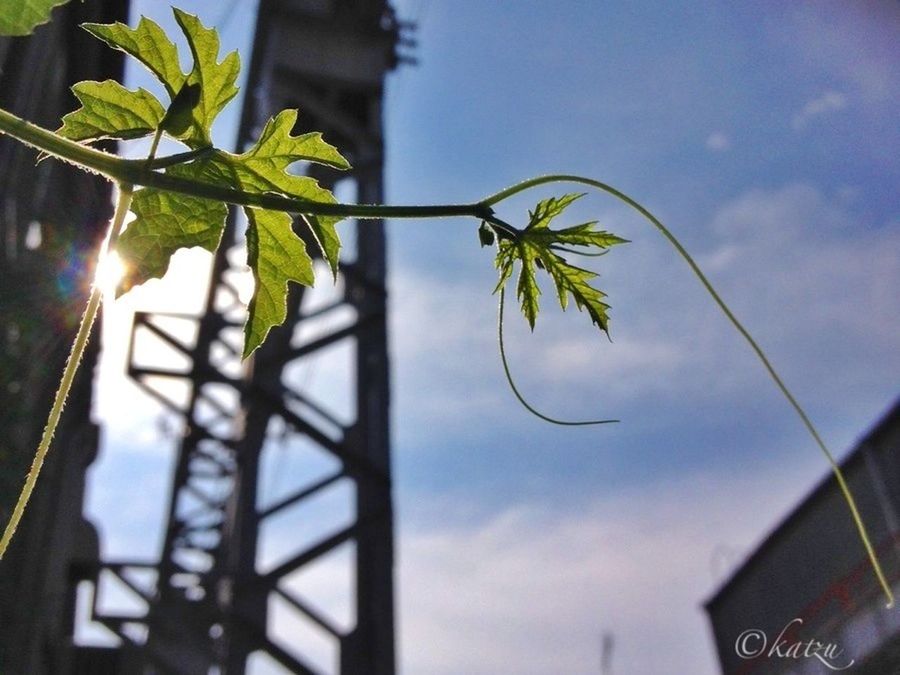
(229, 581)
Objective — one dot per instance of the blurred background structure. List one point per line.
(205, 605)
(52, 217)
(835, 601)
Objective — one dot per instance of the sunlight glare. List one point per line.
(110, 272)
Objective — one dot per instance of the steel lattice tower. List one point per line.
(212, 597)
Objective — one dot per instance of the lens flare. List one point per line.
(110, 272)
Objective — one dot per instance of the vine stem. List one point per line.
(141, 172)
(123, 202)
(154, 146)
(515, 389)
(127, 173)
(770, 369)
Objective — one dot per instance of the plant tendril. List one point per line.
(586, 254)
(68, 376)
(515, 390)
(835, 468)
(269, 169)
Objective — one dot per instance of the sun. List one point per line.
(110, 272)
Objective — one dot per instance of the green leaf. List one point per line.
(538, 245)
(263, 168)
(216, 80)
(149, 44)
(527, 289)
(505, 262)
(276, 255)
(180, 115)
(210, 84)
(572, 280)
(325, 233)
(549, 209)
(21, 17)
(277, 148)
(577, 235)
(586, 235)
(165, 222)
(109, 110)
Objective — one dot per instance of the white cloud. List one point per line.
(786, 212)
(443, 341)
(815, 259)
(532, 591)
(828, 102)
(853, 43)
(718, 142)
(718, 260)
(815, 283)
(628, 368)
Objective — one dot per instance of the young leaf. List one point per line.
(582, 235)
(527, 288)
(165, 222)
(216, 80)
(536, 246)
(109, 110)
(23, 16)
(548, 209)
(504, 262)
(149, 44)
(577, 235)
(572, 280)
(276, 255)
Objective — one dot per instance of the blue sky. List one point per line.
(764, 135)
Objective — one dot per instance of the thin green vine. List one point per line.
(138, 172)
(65, 384)
(515, 389)
(259, 179)
(770, 369)
(142, 172)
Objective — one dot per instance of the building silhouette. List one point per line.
(810, 580)
(52, 217)
(208, 603)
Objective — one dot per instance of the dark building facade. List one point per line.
(809, 586)
(52, 217)
(211, 602)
